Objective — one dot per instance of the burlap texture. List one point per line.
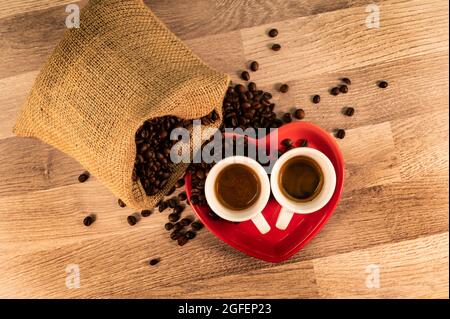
(103, 80)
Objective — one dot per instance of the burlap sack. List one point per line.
(103, 80)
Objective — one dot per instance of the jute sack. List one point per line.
(104, 79)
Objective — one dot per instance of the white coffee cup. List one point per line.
(252, 213)
(289, 206)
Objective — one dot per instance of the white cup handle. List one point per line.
(261, 223)
(284, 218)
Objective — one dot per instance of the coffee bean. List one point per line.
(299, 114)
(287, 118)
(154, 261)
(254, 66)
(171, 191)
(182, 241)
(383, 84)
(194, 200)
(185, 221)
(334, 91)
(172, 202)
(178, 226)
(197, 225)
(163, 206)
(316, 99)
(245, 75)
(340, 133)
(179, 183)
(343, 88)
(273, 33)
(175, 235)
(190, 234)
(251, 87)
(182, 196)
(302, 143)
(349, 111)
(132, 220)
(276, 47)
(178, 209)
(168, 226)
(286, 142)
(88, 220)
(347, 81)
(284, 88)
(146, 213)
(174, 217)
(200, 174)
(83, 177)
(121, 203)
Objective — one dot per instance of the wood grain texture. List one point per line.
(394, 209)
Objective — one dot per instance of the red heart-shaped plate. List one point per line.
(279, 245)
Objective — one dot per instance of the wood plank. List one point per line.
(197, 18)
(422, 142)
(28, 37)
(372, 104)
(14, 7)
(409, 269)
(117, 265)
(340, 40)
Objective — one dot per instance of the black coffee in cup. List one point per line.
(300, 179)
(237, 187)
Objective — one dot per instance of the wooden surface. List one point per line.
(394, 210)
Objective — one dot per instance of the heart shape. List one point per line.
(279, 245)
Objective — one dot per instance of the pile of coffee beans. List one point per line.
(152, 165)
(246, 107)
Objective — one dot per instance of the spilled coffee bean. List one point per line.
(347, 81)
(154, 261)
(276, 47)
(245, 75)
(121, 203)
(349, 111)
(190, 234)
(182, 241)
(185, 221)
(299, 114)
(383, 84)
(83, 177)
(340, 133)
(182, 196)
(178, 226)
(284, 88)
(168, 226)
(146, 213)
(343, 89)
(132, 220)
(163, 206)
(316, 99)
(273, 33)
(287, 118)
(334, 91)
(88, 220)
(172, 202)
(174, 217)
(254, 66)
(197, 225)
